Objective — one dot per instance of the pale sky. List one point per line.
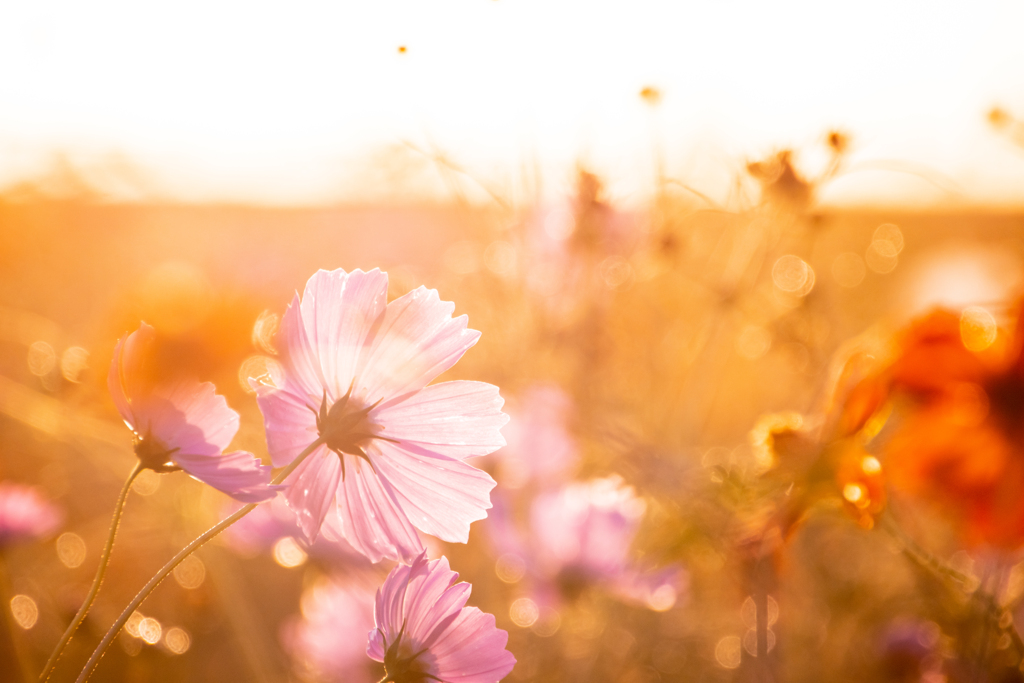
(290, 102)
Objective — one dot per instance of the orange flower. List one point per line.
(824, 462)
(958, 385)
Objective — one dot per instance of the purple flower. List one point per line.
(25, 515)
(328, 640)
(425, 632)
(182, 424)
(392, 459)
(906, 648)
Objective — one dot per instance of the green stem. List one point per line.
(199, 542)
(97, 581)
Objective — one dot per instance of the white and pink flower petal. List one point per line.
(298, 354)
(425, 606)
(441, 496)
(371, 519)
(339, 311)
(417, 340)
(126, 377)
(239, 474)
(389, 604)
(311, 490)
(472, 650)
(432, 599)
(459, 419)
(188, 416)
(288, 420)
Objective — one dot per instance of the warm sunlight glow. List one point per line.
(289, 106)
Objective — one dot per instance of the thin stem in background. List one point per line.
(199, 542)
(97, 581)
(989, 603)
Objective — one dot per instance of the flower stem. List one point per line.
(988, 603)
(220, 526)
(97, 581)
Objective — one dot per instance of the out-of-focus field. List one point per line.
(671, 329)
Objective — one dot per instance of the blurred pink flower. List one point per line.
(566, 239)
(182, 424)
(262, 528)
(25, 515)
(424, 631)
(328, 640)
(580, 536)
(582, 222)
(355, 372)
(540, 447)
(586, 528)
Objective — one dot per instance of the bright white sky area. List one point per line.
(297, 102)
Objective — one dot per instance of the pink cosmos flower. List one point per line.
(25, 515)
(581, 536)
(328, 640)
(425, 632)
(182, 425)
(354, 372)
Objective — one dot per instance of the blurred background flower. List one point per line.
(25, 515)
(329, 642)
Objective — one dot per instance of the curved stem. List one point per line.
(178, 559)
(97, 581)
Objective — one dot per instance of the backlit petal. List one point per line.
(440, 495)
(416, 341)
(239, 474)
(311, 490)
(371, 519)
(458, 419)
(339, 310)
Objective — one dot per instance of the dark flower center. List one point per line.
(154, 455)
(345, 428)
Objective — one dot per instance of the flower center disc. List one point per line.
(154, 455)
(344, 426)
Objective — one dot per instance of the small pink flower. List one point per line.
(182, 425)
(328, 641)
(586, 529)
(355, 373)
(425, 632)
(581, 536)
(25, 515)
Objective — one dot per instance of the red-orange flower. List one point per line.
(958, 387)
